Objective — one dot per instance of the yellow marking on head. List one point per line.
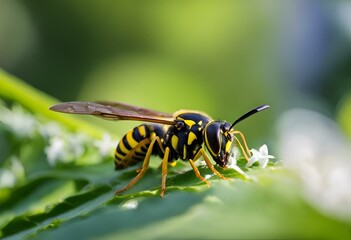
(200, 122)
(131, 141)
(191, 138)
(190, 123)
(174, 141)
(227, 146)
(142, 131)
(184, 151)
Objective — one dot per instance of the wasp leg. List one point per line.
(209, 164)
(143, 168)
(247, 154)
(197, 172)
(164, 171)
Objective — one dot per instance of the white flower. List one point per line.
(65, 148)
(232, 161)
(55, 150)
(76, 144)
(22, 123)
(106, 145)
(7, 178)
(50, 129)
(261, 156)
(233, 157)
(17, 169)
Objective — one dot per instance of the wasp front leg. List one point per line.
(210, 165)
(202, 153)
(197, 173)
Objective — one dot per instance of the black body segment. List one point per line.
(185, 137)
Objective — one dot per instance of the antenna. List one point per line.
(248, 114)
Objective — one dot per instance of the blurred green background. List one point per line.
(220, 57)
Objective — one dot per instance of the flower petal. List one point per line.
(251, 161)
(261, 156)
(264, 150)
(263, 162)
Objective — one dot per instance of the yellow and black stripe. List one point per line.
(132, 148)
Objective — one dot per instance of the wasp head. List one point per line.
(219, 136)
(218, 139)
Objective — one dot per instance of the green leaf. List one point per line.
(75, 200)
(229, 209)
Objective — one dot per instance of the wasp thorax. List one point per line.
(218, 141)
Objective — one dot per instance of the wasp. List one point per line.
(185, 135)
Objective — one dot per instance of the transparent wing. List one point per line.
(136, 109)
(114, 111)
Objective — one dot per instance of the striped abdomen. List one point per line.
(132, 148)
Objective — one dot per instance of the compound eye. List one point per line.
(212, 139)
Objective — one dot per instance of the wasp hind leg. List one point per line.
(129, 160)
(144, 167)
(164, 171)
